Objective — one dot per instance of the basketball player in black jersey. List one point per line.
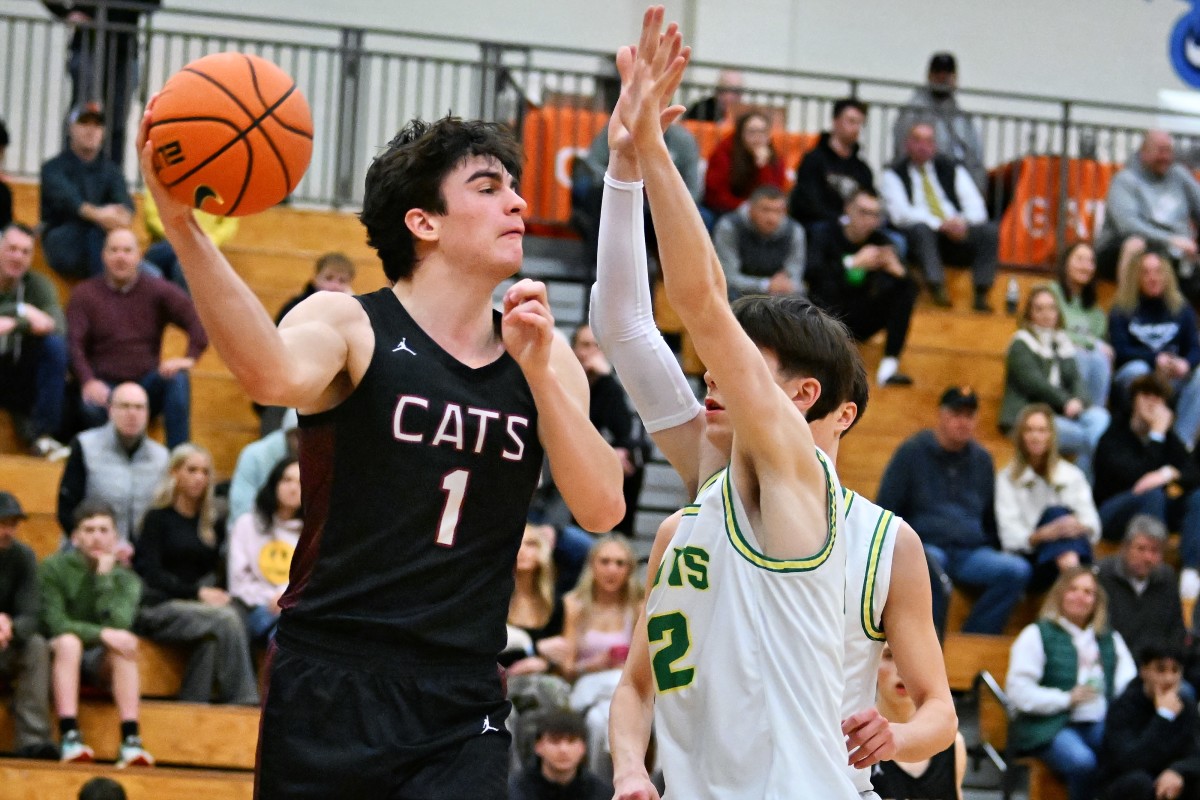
(424, 419)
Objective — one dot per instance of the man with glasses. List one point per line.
(854, 273)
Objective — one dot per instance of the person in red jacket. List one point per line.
(740, 163)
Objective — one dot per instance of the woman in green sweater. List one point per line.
(1085, 321)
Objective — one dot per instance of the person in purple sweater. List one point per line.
(115, 324)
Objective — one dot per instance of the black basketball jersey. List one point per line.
(416, 490)
(937, 782)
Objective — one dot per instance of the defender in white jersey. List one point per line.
(752, 593)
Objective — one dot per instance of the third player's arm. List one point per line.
(908, 622)
(631, 714)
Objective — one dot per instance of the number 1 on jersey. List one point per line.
(454, 484)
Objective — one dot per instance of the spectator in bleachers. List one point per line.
(740, 163)
(1153, 202)
(1040, 367)
(334, 273)
(83, 198)
(761, 249)
(33, 346)
(256, 461)
(6, 200)
(598, 628)
(88, 604)
(956, 133)
(1143, 592)
(116, 464)
(24, 656)
(1151, 749)
(719, 106)
(116, 80)
(557, 771)
(855, 274)
(1153, 330)
(115, 325)
(611, 414)
(261, 545)
(830, 174)
(943, 482)
(160, 253)
(1085, 321)
(101, 788)
(1044, 506)
(1142, 467)
(1063, 672)
(938, 777)
(940, 211)
(179, 562)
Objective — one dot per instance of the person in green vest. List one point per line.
(1063, 671)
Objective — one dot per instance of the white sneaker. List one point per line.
(74, 751)
(1189, 584)
(132, 754)
(49, 448)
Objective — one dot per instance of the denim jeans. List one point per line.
(1001, 576)
(261, 625)
(73, 248)
(172, 396)
(1187, 398)
(1182, 513)
(35, 383)
(1096, 371)
(1071, 755)
(1078, 437)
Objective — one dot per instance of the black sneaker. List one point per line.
(937, 293)
(898, 379)
(45, 751)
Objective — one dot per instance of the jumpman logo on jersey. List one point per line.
(487, 726)
(404, 347)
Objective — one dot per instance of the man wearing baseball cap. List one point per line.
(24, 656)
(942, 481)
(934, 103)
(83, 197)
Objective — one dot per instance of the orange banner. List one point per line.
(554, 136)
(1028, 229)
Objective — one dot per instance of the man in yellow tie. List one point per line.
(937, 206)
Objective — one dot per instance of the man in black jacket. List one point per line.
(557, 771)
(1142, 467)
(1150, 748)
(830, 173)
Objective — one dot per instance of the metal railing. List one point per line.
(363, 83)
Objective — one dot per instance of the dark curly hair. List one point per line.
(409, 172)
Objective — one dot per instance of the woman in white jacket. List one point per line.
(1044, 505)
(260, 549)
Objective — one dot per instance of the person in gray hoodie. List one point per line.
(761, 248)
(1153, 201)
(935, 103)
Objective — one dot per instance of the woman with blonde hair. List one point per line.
(179, 560)
(534, 612)
(1153, 330)
(1040, 367)
(1063, 671)
(1044, 506)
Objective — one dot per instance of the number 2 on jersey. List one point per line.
(672, 627)
(454, 484)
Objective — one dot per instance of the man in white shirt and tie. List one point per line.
(936, 204)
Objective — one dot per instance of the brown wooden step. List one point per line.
(47, 780)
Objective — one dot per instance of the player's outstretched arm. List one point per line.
(631, 714)
(908, 622)
(585, 468)
(297, 368)
(768, 427)
(622, 317)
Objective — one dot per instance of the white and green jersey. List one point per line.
(870, 534)
(746, 653)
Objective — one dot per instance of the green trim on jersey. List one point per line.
(848, 496)
(747, 551)
(691, 510)
(867, 615)
(707, 483)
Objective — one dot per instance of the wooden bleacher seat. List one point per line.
(40, 780)
(995, 714)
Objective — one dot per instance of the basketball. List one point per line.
(231, 134)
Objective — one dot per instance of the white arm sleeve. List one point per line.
(623, 321)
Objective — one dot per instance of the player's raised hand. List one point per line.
(650, 74)
(527, 325)
(870, 738)
(619, 139)
(168, 206)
